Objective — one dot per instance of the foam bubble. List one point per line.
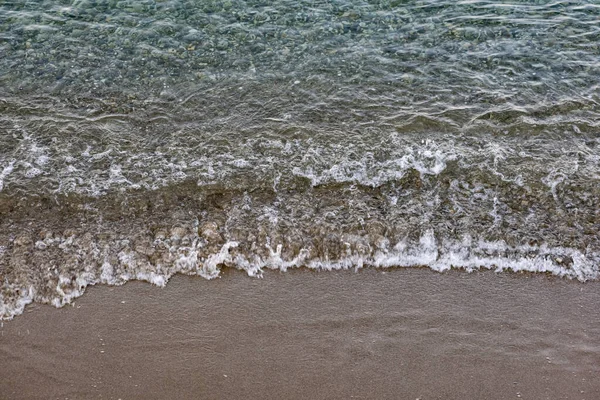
(32, 172)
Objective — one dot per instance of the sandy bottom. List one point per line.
(401, 334)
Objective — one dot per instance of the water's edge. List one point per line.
(52, 248)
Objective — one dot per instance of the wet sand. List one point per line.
(400, 334)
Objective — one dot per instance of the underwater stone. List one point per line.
(210, 232)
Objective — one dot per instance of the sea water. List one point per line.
(140, 139)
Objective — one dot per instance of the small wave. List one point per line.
(191, 260)
(56, 268)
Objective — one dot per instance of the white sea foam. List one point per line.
(493, 255)
(104, 167)
(468, 254)
(428, 158)
(5, 172)
(9, 310)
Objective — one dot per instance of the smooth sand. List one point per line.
(402, 334)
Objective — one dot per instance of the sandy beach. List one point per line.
(400, 334)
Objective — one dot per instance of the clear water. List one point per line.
(139, 139)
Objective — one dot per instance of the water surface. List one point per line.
(139, 139)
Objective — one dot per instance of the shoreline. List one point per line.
(397, 333)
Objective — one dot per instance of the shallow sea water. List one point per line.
(139, 139)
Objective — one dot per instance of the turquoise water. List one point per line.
(144, 138)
